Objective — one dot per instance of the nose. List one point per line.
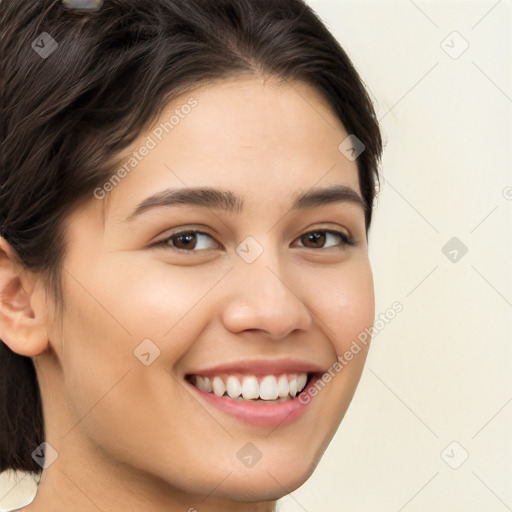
(263, 297)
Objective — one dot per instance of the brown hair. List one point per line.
(68, 113)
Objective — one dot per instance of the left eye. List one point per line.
(189, 241)
(320, 237)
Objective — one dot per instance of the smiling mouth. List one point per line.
(271, 388)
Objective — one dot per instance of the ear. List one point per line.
(23, 308)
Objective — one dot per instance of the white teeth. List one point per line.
(218, 386)
(200, 383)
(293, 387)
(301, 381)
(269, 388)
(207, 385)
(282, 386)
(233, 387)
(250, 388)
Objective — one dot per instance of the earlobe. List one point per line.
(23, 309)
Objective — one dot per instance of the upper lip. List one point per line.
(261, 366)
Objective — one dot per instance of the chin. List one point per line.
(264, 482)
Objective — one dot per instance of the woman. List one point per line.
(186, 192)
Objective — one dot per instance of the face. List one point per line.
(256, 291)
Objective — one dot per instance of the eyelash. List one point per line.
(164, 244)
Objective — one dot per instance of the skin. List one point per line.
(131, 437)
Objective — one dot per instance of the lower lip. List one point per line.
(258, 413)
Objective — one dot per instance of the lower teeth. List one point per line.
(279, 400)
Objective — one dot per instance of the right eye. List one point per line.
(186, 241)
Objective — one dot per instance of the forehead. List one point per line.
(259, 138)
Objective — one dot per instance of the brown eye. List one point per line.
(317, 239)
(189, 241)
(185, 241)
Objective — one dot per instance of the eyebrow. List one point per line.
(228, 201)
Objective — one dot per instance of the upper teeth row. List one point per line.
(270, 387)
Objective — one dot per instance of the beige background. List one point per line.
(441, 370)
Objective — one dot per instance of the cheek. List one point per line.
(345, 302)
(153, 298)
(115, 304)
(93, 347)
